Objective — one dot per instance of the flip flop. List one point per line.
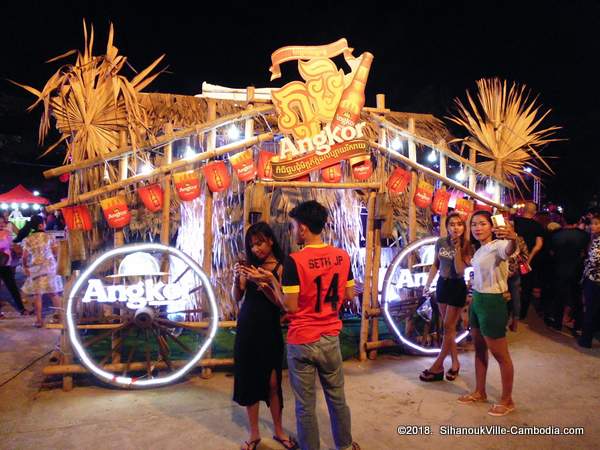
(467, 399)
(250, 445)
(500, 410)
(288, 443)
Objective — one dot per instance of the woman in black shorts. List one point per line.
(451, 293)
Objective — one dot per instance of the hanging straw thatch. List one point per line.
(92, 102)
(503, 127)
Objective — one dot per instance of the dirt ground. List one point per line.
(557, 384)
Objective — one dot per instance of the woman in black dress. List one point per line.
(258, 347)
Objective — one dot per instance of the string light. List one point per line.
(396, 144)
(460, 176)
(490, 187)
(233, 133)
(189, 153)
(4, 206)
(14, 205)
(36, 207)
(528, 169)
(24, 206)
(146, 169)
(432, 157)
(36, 193)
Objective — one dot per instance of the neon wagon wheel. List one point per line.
(142, 326)
(411, 315)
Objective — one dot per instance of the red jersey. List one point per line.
(319, 274)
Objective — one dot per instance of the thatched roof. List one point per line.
(183, 111)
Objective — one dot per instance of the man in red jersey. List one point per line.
(316, 280)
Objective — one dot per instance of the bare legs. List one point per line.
(275, 407)
(499, 348)
(450, 315)
(37, 302)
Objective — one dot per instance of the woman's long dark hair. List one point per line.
(261, 229)
(31, 225)
(452, 215)
(488, 217)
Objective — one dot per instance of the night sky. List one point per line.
(426, 53)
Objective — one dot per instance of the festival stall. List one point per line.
(163, 186)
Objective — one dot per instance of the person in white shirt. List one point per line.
(488, 314)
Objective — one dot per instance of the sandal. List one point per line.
(452, 374)
(428, 376)
(289, 443)
(500, 410)
(250, 445)
(467, 399)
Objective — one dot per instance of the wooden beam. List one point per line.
(135, 366)
(366, 300)
(81, 198)
(160, 141)
(320, 185)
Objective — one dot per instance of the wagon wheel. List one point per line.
(157, 323)
(411, 313)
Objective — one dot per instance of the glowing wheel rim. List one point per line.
(387, 286)
(139, 382)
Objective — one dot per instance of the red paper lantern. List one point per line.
(265, 171)
(332, 174)
(398, 180)
(77, 217)
(243, 163)
(115, 211)
(217, 176)
(187, 185)
(441, 198)
(362, 171)
(464, 208)
(152, 197)
(483, 207)
(64, 178)
(423, 194)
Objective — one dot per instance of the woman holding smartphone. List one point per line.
(451, 293)
(258, 349)
(489, 315)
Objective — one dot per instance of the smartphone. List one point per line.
(498, 220)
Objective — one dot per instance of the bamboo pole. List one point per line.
(208, 213)
(135, 366)
(375, 287)
(65, 345)
(166, 209)
(443, 231)
(160, 141)
(440, 147)
(109, 326)
(380, 102)
(162, 170)
(119, 241)
(400, 157)
(249, 192)
(374, 345)
(319, 185)
(412, 208)
(472, 176)
(364, 321)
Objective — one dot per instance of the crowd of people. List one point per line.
(552, 265)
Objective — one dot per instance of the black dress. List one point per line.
(258, 347)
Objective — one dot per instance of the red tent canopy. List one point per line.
(21, 195)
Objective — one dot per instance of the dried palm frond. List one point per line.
(504, 128)
(92, 103)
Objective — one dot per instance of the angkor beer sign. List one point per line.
(320, 117)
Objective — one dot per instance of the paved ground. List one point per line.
(557, 384)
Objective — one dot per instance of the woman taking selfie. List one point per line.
(451, 293)
(489, 315)
(258, 349)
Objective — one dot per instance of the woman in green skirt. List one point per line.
(488, 315)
